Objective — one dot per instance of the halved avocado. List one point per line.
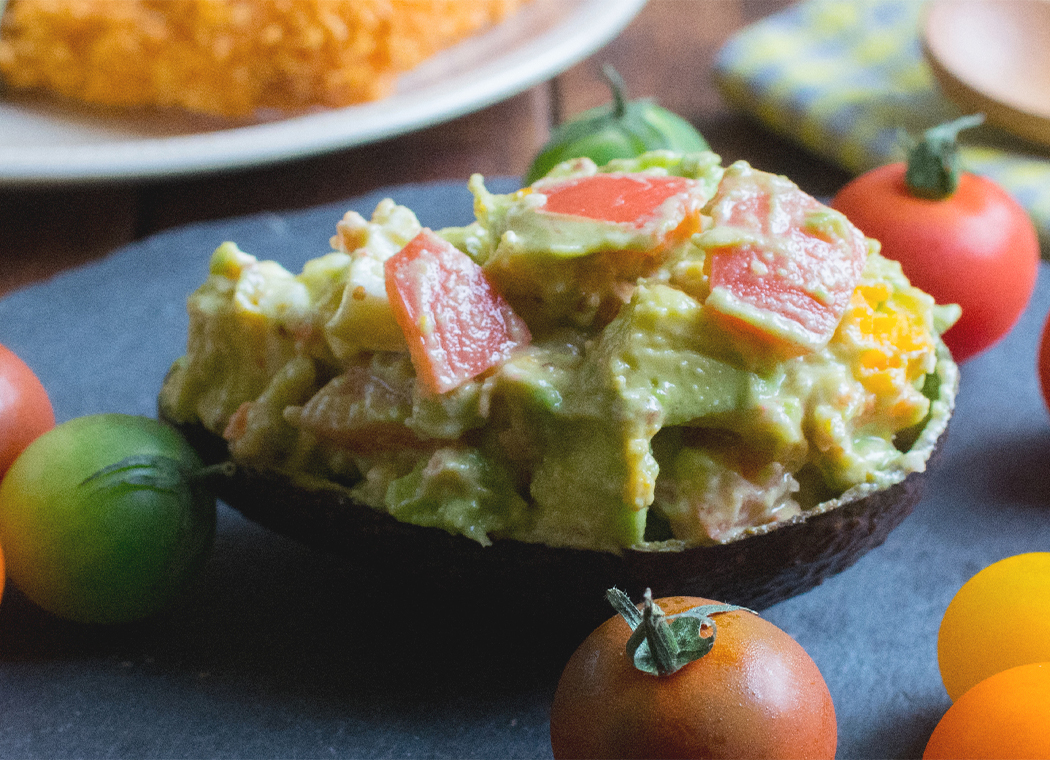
(756, 570)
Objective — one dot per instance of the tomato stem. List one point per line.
(616, 84)
(215, 471)
(933, 162)
(662, 644)
(656, 632)
(623, 605)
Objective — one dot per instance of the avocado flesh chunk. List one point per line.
(457, 489)
(597, 417)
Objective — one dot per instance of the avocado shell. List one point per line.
(755, 571)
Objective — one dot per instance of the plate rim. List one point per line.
(584, 29)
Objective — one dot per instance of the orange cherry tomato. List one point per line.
(1004, 716)
(756, 693)
(25, 409)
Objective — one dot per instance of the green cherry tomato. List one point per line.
(621, 129)
(105, 518)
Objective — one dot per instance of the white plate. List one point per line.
(46, 143)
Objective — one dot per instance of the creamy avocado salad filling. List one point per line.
(662, 349)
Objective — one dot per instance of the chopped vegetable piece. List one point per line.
(783, 265)
(456, 325)
(633, 199)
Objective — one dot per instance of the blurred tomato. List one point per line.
(999, 619)
(1004, 716)
(25, 409)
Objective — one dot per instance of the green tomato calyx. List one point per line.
(153, 471)
(662, 644)
(618, 91)
(933, 161)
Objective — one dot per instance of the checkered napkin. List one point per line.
(845, 77)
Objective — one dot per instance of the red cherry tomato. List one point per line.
(25, 409)
(756, 693)
(976, 248)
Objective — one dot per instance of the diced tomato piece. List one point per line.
(661, 208)
(620, 198)
(786, 274)
(362, 411)
(456, 325)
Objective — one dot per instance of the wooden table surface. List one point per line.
(665, 53)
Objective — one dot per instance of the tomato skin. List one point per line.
(106, 557)
(755, 694)
(1044, 362)
(25, 409)
(1003, 716)
(1011, 600)
(976, 248)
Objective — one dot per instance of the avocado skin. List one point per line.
(756, 571)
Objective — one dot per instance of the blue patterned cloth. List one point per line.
(845, 78)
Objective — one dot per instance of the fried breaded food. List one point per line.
(230, 57)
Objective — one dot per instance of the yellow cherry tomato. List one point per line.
(1004, 716)
(999, 619)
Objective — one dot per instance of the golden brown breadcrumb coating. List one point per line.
(230, 57)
